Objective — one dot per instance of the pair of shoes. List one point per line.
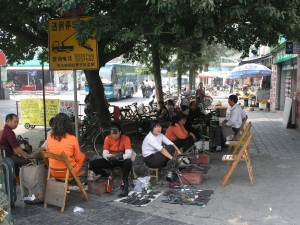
(218, 150)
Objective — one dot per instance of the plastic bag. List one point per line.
(141, 184)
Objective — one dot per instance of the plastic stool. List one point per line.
(156, 171)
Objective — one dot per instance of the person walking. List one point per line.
(200, 93)
(231, 87)
(143, 87)
(79, 84)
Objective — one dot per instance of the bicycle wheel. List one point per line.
(98, 141)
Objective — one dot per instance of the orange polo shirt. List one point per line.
(176, 132)
(116, 146)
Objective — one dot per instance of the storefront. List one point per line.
(28, 77)
(284, 82)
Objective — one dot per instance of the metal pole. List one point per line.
(75, 103)
(44, 101)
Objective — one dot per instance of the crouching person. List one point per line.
(116, 152)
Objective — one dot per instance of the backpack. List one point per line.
(33, 182)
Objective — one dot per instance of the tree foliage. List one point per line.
(120, 25)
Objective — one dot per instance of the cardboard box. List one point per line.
(191, 176)
(201, 159)
(98, 187)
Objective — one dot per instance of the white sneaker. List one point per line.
(186, 161)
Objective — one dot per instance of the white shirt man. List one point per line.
(230, 126)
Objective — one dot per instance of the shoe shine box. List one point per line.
(191, 176)
(200, 159)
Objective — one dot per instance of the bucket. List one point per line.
(206, 145)
(198, 144)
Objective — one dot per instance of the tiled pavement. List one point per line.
(272, 200)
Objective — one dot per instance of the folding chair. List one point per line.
(238, 144)
(240, 131)
(235, 159)
(56, 192)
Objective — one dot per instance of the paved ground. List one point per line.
(273, 199)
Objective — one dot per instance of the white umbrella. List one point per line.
(249, 70)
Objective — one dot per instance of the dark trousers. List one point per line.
(19, 162)
(185, 144)
(218, 136)
(98, 166)
(157, 159)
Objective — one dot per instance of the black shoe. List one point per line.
(124, 192)
(218, 150)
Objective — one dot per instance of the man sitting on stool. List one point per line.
(230, 126)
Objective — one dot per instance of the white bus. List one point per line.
(174, 83)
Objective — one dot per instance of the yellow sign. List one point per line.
(64, 51)
(32, 110)
(51, 109)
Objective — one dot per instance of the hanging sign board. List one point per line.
(292, 47)
(64, 51)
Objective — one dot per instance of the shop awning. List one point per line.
(27, 67)
(255, 60)
(206, 75)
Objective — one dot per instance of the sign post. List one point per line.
(65, 53)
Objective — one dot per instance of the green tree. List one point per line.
(119, 25)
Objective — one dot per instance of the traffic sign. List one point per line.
(292, 47)
(65, 53)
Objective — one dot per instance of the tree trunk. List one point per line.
(179, 82)
(191, 79)
(97, 101)
(157, 74)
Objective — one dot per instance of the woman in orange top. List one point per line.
(116, 152)
(178, 134)
(62, 140)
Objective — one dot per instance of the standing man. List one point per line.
(143, 87)
(79, 84)
(200, 93)
(12, 147)
(230, 126)
(231, 87)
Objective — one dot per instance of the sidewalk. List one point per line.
(273, 199)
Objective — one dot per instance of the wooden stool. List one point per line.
(156, 171)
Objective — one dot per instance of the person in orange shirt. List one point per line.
(178, 134)
(116, 152)
(62, 140)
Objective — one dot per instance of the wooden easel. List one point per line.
(242, 155)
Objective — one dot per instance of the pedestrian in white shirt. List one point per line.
(230, 126)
